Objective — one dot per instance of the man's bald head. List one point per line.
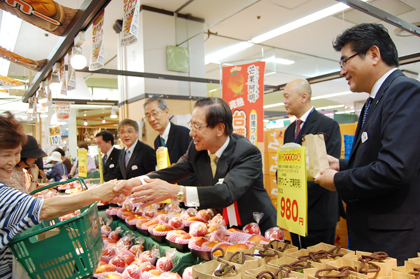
(297, 97)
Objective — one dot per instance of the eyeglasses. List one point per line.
(343, 62)
(154, 114)
(122, 132)
(195, 127)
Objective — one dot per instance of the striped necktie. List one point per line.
(365, 113)
(298, 123)
(127, 157)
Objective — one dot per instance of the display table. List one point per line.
(181, 260)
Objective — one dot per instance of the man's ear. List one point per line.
(305, 97)
(220, 129)
(375, 54)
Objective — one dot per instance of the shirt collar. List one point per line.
(221, 149)
(379, 83)
(132, 147)
(109, 152)
(165, 134)
(306, 114)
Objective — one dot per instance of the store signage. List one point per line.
(130, 22)
(82, 158)
(23, 61)
(292, 199)
(162, 158)
(243, 91)
(55, 136)
(48, 15)
(63, 112)
(97, 57)
(101, 166)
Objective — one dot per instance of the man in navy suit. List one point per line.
(176, 138)
(137, 158)
(105, 142)
(323, 205)
(236, 176)
(380, 182)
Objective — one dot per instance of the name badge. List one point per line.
(364, 137)
(111, 166)
(220, 181)
(134, 167)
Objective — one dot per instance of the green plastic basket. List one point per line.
(70, 249)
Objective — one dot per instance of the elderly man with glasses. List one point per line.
(227, 165)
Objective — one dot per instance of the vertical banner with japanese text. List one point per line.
(129, 28)
(97, 59)
(243, 91)
(292, 199)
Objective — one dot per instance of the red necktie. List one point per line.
(298, 123)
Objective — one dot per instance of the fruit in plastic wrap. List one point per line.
(274, 233)
(252, 228)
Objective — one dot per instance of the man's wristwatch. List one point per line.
(180, 195)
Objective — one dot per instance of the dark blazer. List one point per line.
(142, 161)
(111, 163)
(178, 141)
(241, 167)
(323, 205)
(380, 182)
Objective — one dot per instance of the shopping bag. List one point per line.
(207, 270)
(316, 154)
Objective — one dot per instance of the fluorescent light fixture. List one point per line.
(279, 60)
(345, 111)
(330, 107)
(269, 74)
(217, 56)
(273, 105)
(9, 31)
(213, 90)
(300, 22)
(331, 95)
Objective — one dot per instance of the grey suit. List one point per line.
(241, 168)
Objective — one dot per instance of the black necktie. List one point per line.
(365, 113)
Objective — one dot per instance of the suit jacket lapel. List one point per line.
(133, 157)
(122, 161)
(309, 125)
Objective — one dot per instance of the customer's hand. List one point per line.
(34, 170)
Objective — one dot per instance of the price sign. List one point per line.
(55, 135)
(101, 167)
(82, 162)
(292, 200)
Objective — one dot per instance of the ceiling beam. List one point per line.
(382, 15)
(81, 21)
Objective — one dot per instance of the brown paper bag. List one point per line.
(317, 154)
(206, 271)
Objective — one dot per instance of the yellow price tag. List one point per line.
(82, 161)
(292, 200)
(162, 158)
(101, 167)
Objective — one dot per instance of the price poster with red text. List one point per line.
(292, 200)
(82, 162)
(55, 135)
(243, 91)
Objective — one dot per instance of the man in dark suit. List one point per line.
(176, 138)
(380, 182)
(235, 177)
(137, 158)
(105, 142)
(323, 205)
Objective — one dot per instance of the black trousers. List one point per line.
(314, 237)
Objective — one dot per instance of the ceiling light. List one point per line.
(103, 120)
(85, 123)
(217, 56)
(77, 60)
(273, 105)
(331, 95)
(55, 82)
(213, 90)
(279, 60)
(330, 107)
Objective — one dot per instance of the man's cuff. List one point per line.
(141, 178)
(191, 197)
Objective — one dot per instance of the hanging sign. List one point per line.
(243, 91)
(97, 57)
(82, 162)
(63, 112)
(55, 136)
(23, 61)
(292, 199)
(128, 28)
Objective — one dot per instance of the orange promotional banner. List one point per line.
(243, 91)
(23, 61)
